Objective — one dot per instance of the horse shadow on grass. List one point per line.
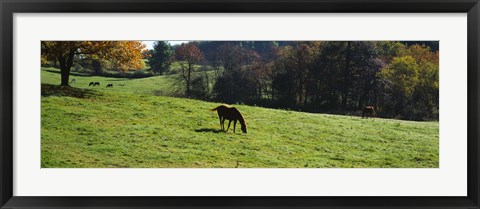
(209, 130)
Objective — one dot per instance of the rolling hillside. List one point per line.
(128, 126)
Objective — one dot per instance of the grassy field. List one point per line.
(128, 126)
(157, 85)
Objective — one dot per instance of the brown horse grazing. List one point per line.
(230, 113)
(368, 111)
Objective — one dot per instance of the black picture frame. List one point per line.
(9, 7)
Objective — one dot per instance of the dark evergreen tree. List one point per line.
(161, 57)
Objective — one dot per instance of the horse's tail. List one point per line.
(214, 109)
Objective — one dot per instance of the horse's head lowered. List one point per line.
(244, 128)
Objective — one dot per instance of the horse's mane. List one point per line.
(241, 119)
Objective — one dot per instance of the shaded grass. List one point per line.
(55, 90)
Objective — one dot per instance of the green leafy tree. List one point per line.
(403, 76)
(403, 72)
(425, 102)
(161, 57)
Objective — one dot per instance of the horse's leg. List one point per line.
(229, 122)
(220, 118)
(234, 125)
(223, 124)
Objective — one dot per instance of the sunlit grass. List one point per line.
(128, 126)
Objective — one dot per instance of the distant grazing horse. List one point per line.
(91, 84)
(368, 111)
(230, 113)
(109, 85)
(96, 84)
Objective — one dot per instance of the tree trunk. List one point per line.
(207, 86)
(65, 76)
(188, 80)
(66, 62)
(300, 86)
(346, 79)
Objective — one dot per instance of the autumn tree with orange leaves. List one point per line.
(122, 55)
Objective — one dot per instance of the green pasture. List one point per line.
(130, 126)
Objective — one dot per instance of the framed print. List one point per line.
(265, 104)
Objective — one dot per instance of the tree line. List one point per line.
(400, 79)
